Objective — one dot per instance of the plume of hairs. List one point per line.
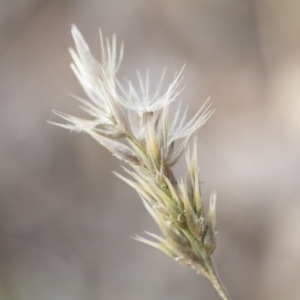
(151, 145)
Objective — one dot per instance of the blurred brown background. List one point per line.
(66, 221)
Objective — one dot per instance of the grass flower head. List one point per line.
(134, 124)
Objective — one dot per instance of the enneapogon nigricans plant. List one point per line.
(150, 144)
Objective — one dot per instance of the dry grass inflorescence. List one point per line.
(134, 125)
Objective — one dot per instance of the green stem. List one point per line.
(206, 267)
(215, 280)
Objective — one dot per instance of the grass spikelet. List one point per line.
(137, 130)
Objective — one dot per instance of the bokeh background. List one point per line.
(66, 222)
